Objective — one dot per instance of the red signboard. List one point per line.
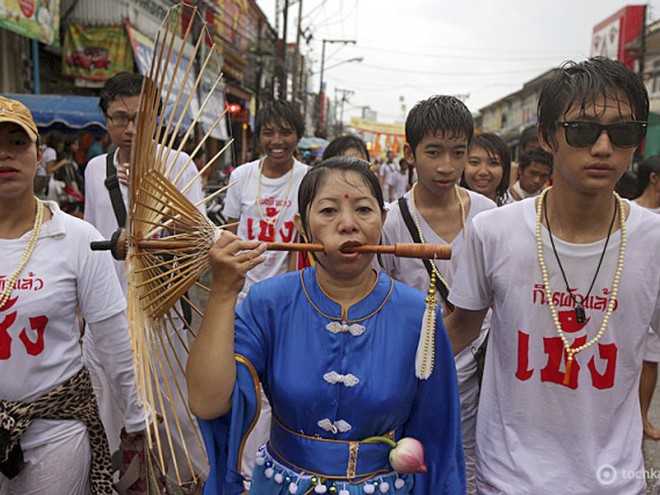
(619, 36)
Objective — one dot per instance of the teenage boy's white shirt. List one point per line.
(62, 275)
(535, 434)
(242, 203)
(412, 271)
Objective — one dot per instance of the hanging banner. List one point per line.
(377, 127)
(143, 49)
(96, 53)
(36, 19)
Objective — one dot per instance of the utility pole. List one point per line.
(345, 93)
(321, 121)
(296, 59)
(283, 72)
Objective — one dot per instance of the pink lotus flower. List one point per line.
(406, 456)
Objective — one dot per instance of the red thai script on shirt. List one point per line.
(265, 231)
(564, 299)
(272, 202)
(601, 369)
(29, 282)
(32, 339)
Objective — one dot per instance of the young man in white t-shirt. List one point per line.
(50, 425)
(263, 201)
(438, 134)
(573, 293)
(264, 196)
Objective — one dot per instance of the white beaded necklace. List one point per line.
(32, 242)
(572, 351)
(419, 227)
(274, 221)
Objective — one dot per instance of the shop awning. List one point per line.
(63, 111)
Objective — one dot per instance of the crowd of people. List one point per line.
(525, 363)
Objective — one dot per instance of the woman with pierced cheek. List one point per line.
(334, 348)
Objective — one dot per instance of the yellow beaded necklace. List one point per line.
(274, 221)
(424, 357)
(32, 242)
(572, 351)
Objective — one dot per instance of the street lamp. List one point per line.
(319, 127)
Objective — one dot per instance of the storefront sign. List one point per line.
(36, 19)
(96, 53)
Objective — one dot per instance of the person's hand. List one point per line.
(122, 173)
(232, 258)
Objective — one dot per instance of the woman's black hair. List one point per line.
(317, 176)
(649, 166)
(581, 85)
(342, 144)
(497, 149)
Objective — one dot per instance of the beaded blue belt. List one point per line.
(330, 459)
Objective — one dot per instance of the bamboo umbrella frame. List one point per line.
(158, 209)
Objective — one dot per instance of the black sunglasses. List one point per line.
(581, 134)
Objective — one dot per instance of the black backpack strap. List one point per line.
(112, 184)
(414, 233)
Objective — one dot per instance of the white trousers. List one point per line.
(56, 468)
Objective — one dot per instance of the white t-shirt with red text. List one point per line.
(278, 202)
(536, 434)
(39, 330)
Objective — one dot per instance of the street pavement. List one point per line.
(651, 448)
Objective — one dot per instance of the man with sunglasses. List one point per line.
(572, 301)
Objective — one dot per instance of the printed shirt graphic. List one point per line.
(39, 333)
(536, 434)
(267, 218)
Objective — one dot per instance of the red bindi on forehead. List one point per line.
(346, 196)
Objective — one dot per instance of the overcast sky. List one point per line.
(482, 48)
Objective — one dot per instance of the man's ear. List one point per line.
(297, 221)
(654, 178)
(408, 154)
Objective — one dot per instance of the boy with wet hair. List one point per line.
(572, 300)
(436, 210)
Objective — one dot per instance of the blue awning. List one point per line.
(63, 111)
